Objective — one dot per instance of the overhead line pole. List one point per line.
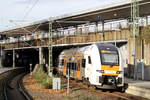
(50, 48)
(135, 29)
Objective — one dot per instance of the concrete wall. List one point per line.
(124, 52)
(129, 72)
(147, 73)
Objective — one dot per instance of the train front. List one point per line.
(111, 72)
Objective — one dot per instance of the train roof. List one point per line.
(101, 46)
(106, 46)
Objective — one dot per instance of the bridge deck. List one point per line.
(88, 38)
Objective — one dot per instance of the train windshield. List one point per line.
(109, 57)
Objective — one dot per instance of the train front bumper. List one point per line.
(111, 81)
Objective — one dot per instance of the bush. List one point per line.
(43, 78)
(47, 83)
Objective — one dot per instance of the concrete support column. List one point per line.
(96, 27)
(68, 31)
(13, 58)
(76, 30)
(134, 57)
(40, 55)
(147, 20)
(76, 34)
(103, 31)
(87, 28)
(63, 33)
(1, 58)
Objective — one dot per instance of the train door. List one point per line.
(88, 67)
(82, 70)
(74, 67)
(78, 67)
(65, 65)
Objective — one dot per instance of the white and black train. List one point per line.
(100, 64)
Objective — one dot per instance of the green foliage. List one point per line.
(44, 80)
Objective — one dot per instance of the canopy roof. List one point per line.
(113, 11)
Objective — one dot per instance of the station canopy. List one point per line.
(113, 11)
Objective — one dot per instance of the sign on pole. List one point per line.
(56, 83)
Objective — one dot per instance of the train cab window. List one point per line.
(110, 58)
(89, 60)
(83, 63)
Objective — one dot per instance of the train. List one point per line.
(99, 64)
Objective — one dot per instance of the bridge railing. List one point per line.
(113, 35)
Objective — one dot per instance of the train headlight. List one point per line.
(100, 71)
(118, 72)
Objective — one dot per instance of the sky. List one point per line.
(18, 12)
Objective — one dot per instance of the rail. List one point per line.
(4, 76)
(15, 88)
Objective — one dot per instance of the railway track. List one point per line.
(110, 94)
(14, 90)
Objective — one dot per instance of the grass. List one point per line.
(44, 80)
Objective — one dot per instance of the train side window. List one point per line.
(68, 65)
(62, 62)
(83, 63)
(89, 60)
(71, 65)
(74, 65)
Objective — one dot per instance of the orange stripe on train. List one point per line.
(109, 67)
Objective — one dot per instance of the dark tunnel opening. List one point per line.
(25, 57)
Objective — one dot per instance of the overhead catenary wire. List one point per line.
(27, 7)
(25, 16)
(28, 12)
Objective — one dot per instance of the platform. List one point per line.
(138, 87)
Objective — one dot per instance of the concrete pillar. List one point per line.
(138, 54)
(147, 20)
(96, 27)
(103, 31)
(76, 30)
(87, 28)
(13, 58)
(68, 31)
(1, 58)
(40, 55)
(1, 62)
(63, 32)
